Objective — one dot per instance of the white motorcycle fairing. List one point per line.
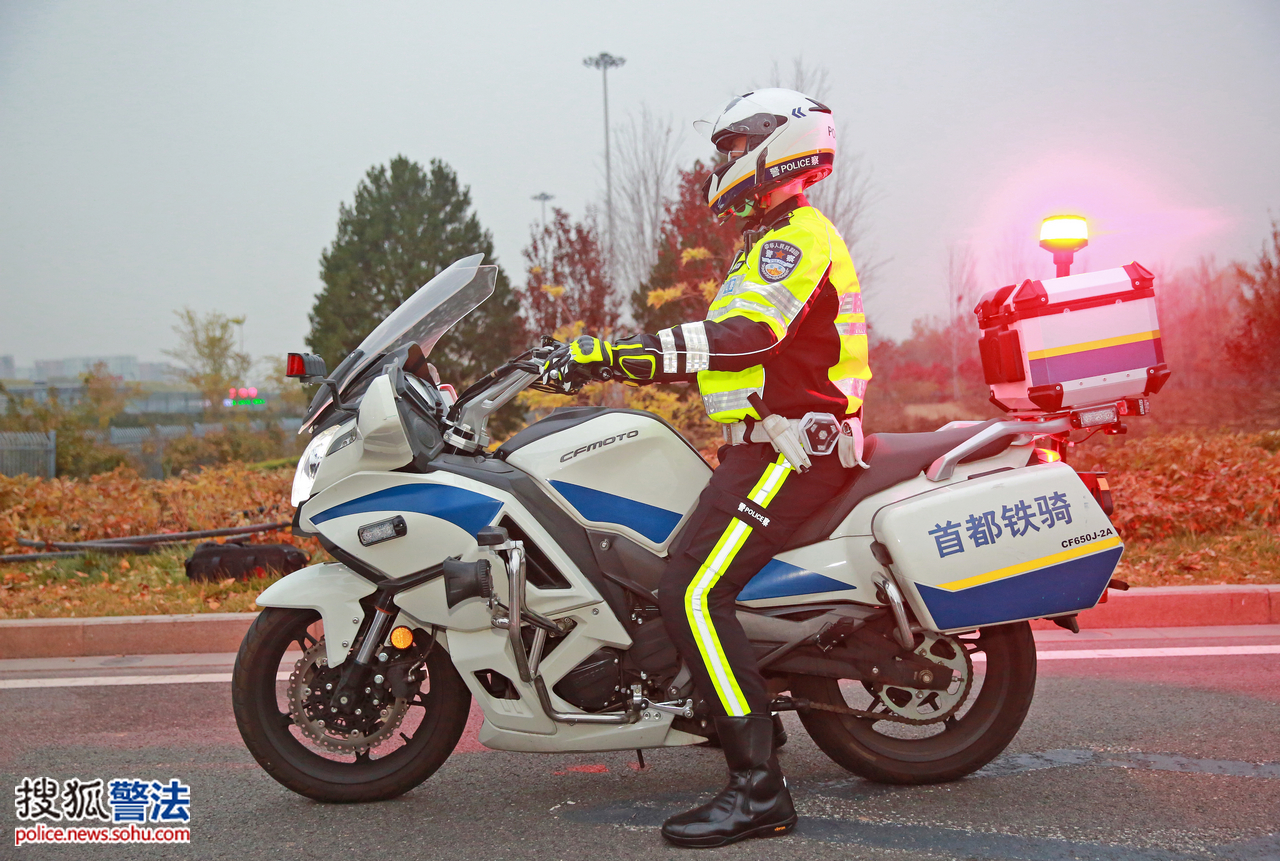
(331, 589)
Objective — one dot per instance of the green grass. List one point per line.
(102, 585)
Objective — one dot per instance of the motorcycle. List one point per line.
(895, 622)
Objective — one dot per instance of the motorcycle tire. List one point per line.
(966, 742)
(266, 730)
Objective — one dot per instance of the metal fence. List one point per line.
(36, 453)
(30, 453)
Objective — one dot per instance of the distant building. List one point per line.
(121, 367)
(7, 369)
(156, 372)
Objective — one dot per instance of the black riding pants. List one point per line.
(743, 517)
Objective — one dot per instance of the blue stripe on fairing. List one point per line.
(781, 580)
(465, 509)
(1063, 588)
(652, 522)
(1095, 363)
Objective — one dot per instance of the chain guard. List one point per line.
(944, 704)
(337, 738)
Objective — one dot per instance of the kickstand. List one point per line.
(640, 758)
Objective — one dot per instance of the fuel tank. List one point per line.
(614, 470)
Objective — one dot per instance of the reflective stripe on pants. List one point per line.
(719, 550)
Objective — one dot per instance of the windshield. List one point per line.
(421, 319)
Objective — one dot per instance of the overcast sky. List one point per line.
(161, 155)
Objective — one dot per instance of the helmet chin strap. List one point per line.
(758, 204)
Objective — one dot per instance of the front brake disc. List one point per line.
(332, 731)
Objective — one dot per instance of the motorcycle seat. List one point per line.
(891, 458)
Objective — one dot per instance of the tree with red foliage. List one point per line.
(694, 253)
(568, 280)
(1256, 346)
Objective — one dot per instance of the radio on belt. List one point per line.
(1072, 341)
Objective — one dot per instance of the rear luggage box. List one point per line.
(1021, 544)
(1075, 341)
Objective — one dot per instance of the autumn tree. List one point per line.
(207, 354)
(1255, 348)
(404, 226)
(695, 250)
(81, 424)
(567, 278)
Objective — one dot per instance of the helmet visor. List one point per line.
(741, 115)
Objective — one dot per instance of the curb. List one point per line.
(1181, 607)
(1140, 607)
(123, 635)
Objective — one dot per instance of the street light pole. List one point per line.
(604, 62)
(543, 197)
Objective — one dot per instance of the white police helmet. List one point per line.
(789, 136)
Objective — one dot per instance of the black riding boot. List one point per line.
(756, 802)
(779, 734)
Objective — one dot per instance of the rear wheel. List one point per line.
(935, 739)
(388, 748)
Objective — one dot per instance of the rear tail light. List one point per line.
(1047, 455)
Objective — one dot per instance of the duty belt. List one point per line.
(818, 433)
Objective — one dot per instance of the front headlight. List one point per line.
(309, 464)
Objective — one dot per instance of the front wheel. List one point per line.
(385, 749)
(931, 739)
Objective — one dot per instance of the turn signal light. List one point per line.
(402, 637)
(307, 367)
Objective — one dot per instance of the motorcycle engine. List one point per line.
(593, 684)
(605, 678)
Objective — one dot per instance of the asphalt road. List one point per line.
(1168, 752)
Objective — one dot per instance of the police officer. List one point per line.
(785, 336)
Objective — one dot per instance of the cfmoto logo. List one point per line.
(600, 443)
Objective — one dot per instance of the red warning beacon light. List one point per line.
(1064, 235)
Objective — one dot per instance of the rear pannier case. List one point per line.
(1016, 544)
(1072, 342)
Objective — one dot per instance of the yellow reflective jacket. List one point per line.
(787, 324)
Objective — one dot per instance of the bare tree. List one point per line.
(813, 81)
(647, 168)
(961, 291)
(847, 195)
(1012, 262)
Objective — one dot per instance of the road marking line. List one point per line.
(1165, 652)
(1053, 655)
(103, 681)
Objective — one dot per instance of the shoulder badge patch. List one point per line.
(729, 287)
(778, 259)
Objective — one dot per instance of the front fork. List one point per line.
(356, 674)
